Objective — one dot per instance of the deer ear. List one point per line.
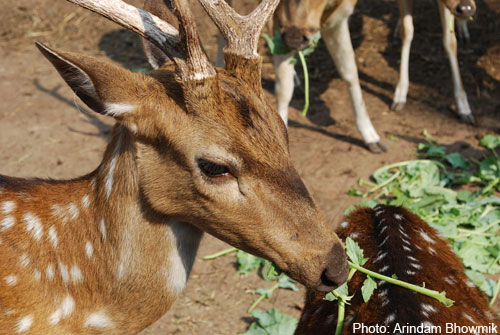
(163, 9)
(89, 78)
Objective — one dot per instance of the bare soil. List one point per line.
(46, 132)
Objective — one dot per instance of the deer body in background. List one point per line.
(448, 10)
(298, 22)
(398, 242)
(194, 149)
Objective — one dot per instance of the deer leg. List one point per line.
(450, 46)
(405, 8)
(283, 87)
(338, 42)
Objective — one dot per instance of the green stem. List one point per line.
(260, 298)
(340, 317)
(386, 182)
(495, 293)
(306, 83)
(219, 254)
(440, 296)
(490, 186)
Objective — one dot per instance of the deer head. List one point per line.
(209, 149)
(462, 9)
(298, 21)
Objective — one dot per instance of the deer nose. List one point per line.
(336, 271)
(295, 39)
(465, 9)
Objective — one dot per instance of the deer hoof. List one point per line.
(377, 147)
(467, 118)
(397, 106)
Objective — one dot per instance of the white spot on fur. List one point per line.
(385, 268)
(404, 234)
(410, 272)
(380, 257)
(432, 251)
(59, 212)
(53, 236)
(411, 258)
(117, 109)
(76, 274)
(65, 310)
(24, 324)
(102, 229)
(468, 317)
(416, 266)
(64, 273)
(385, 303)
(11, 280)
(383, 229)
(383, 293)
(33, 225)
(37, 275)
(121, 270)
(10, 311)
(89, 249)
(8, 207)
(427, 309)
(85, 201)
(405, 241)
(7, 222)
(426, 237)
(354, 235)
(377, 213)
(390, 319)
(344, 224)
(98, 320)
(449, 280)
(109, 178)
(24, 260)
(73, 211)
(470, 283)
(398, 217)
(383, 242)
(406, 248)
(50, 272)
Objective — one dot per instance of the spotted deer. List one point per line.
(399, 242)
(195, 149)
(462, 10)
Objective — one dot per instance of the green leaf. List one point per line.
(369, 285)
(269, 271)
(248, 262)
(490, 141)
(271, 322)
(287, 283)
(276, 44)
(354, 252)
(486, 285)
(354, 192)
(342, 291)
(457, 161)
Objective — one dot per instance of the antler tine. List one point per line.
(241, 32)
(154, 29)
(199, 67)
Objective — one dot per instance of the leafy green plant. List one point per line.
(271, 322)
(469, 219)
(277, 46)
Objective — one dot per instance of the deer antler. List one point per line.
(184, 48)
(240, 32)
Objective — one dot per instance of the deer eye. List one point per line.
(211, 169)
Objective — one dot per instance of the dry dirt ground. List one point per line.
(46, 132)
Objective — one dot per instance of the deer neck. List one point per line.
(94, 242)
(152, 253)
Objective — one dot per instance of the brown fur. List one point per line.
(437, 261)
